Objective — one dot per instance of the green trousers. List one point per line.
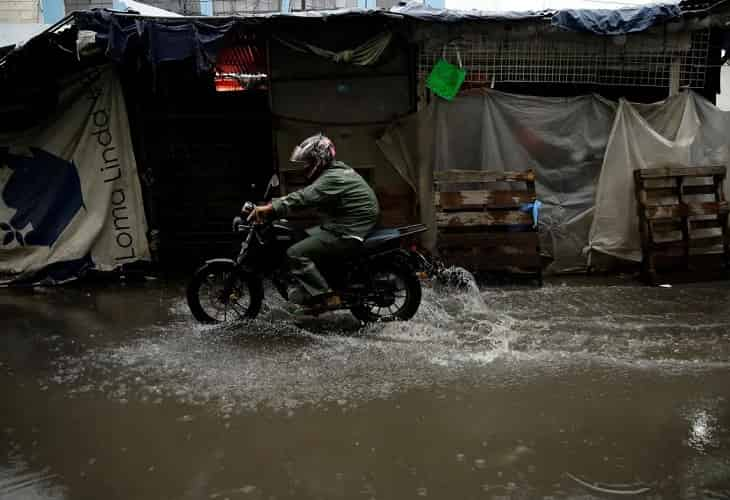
(320, 246)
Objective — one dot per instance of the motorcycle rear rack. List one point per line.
(410, 230)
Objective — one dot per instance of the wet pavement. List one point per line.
(580, 389)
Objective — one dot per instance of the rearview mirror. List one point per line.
(273, 182)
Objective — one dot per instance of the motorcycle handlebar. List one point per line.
(247, 208)
(241, 222)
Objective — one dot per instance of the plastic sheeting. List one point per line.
(170, 40)
(615, 21)
(417, 10)
(199, 39)
(583, 150)
(597, 21)
(192, 37)
(562, 139)
(366, 54)
(685, 130)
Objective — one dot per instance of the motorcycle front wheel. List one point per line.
(219, 293)
(395, 295)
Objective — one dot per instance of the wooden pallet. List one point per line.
(682, 211)
(480, 224)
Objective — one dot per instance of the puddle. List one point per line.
(566, 391)
(460, 333)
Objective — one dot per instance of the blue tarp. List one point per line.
(596, 21)
(615, 22)
(172, 40)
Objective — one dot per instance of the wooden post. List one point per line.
(674, 76)
(644, 228)
(679, 182)
(719, 180)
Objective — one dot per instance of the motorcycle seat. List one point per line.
(378, 236)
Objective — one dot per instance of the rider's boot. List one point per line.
(321, 303)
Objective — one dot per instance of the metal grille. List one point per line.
(241, 67)
(233, 7)
(633, 60)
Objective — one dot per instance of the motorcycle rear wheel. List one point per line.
(404, 290)
(210, 301)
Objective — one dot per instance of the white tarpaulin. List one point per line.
(583, 150)
(562, 139)
(70, 198)
(685, 130)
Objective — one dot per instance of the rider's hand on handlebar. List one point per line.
(260, 213)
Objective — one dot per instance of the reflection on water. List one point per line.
(18, 481)
(703, 429)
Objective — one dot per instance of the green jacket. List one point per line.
(349, 204)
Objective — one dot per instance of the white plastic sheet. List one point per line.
(562, 139)
(684, 130)
(583, 149)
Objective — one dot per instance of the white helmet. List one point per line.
(314, 154)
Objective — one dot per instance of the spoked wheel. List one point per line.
(219, 293)
(395, 295)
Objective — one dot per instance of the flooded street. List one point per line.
(580, 389)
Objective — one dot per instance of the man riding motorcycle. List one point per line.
(351, 211)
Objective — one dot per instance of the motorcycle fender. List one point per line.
(221, 260)
(397, 254)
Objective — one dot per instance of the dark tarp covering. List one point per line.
(597, 21)
(615, 22)
(200, 38)
(169, 40)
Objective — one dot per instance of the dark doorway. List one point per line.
(201, 154)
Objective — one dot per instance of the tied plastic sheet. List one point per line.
(684, 130)
(582, 149)
(562, 140)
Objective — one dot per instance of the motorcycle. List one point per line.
(381, 281)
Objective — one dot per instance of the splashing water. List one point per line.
(459, 333)
(282, 362)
